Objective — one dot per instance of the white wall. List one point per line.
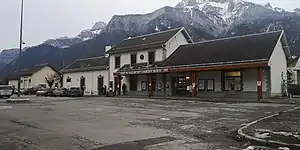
(216, 75)
(250, 80)
(39, 77)
(278, 64)
(91, 80)
(13, 83)
(175, 42)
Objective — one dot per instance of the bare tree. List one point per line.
(52, 79)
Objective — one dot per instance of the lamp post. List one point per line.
(20, 50)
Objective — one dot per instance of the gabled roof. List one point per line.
(248, 48)
(88, 64)
(27, 72)
(148, 41)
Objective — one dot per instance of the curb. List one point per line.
(263, 141)
(24, 100)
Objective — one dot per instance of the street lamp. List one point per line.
(20, 50)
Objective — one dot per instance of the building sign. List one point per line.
(144, 71)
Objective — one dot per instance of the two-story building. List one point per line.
(169, 64)
(140, 52)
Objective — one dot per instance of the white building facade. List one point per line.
(33, 77)
(253, 66)
(90, 74)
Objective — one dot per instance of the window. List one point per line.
(133, 59)
(21, 81)
(201, 85)
(133, 82)
(151, 57)
(144, 86)
(68, 79)
(210, 85)
(206, 85)
(233, 81)
(117, 62)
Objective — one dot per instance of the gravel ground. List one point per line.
(127, 124)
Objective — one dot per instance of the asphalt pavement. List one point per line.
(127, 124)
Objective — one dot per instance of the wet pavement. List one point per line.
(282, 128)
(127, 124)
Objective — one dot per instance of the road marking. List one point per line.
(5, 107)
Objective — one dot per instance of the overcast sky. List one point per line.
(45, 19)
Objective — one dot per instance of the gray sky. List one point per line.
(45, 19)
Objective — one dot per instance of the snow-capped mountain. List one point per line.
(64, 42)
(204, 20)
(227, 12)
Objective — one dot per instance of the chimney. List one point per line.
(107, 48)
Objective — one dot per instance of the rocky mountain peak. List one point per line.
(297, 10)
(99, 25)
(226, 10)
(65, 42)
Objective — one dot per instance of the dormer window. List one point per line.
(117, 62)
(133, 59)
(151, 57)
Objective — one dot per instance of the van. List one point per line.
(6, 91)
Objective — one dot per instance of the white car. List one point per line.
(6, 91)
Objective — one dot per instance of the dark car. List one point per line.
(60, 92)
(30, 91)
(49, 92)
(294, 89)
(75, 92)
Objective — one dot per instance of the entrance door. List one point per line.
(82, 84)
(101, 90)
(179, 85)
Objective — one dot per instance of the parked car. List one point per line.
(30, 91)
(6, 91)
(41, 92)
(49, 92)
(60, 92)
(294, 89)
(75, 92)
(22, 91)
(44, 92)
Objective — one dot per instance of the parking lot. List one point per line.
(128, 124)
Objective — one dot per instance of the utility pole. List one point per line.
(20, 50)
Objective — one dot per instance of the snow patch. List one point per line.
(165, 119)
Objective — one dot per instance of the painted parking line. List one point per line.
(5, 107)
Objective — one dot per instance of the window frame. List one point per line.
(68, 80)
(134, 54)
(117, 65)
(205, 85)
(153, 57)
(144, 83)
(226, 77)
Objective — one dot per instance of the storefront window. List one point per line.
(233, 81)
(144, 86)
(206, 85)
(201, 85)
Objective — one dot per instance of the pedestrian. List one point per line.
(124, 87)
